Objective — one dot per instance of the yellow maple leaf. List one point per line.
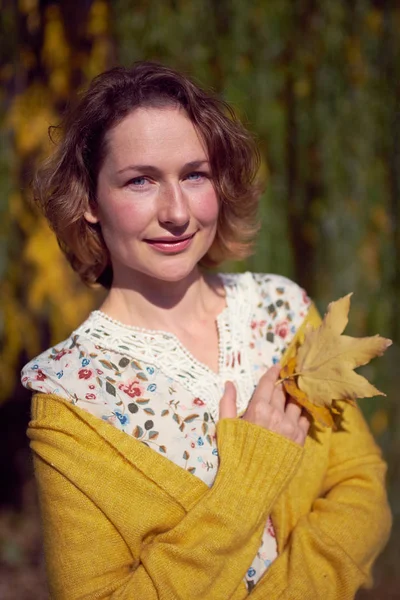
(320, 413)
(321, 371)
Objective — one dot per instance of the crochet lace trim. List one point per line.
(165, 351)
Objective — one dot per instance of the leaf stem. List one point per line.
(287, 377)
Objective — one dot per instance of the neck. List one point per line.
(171, 306)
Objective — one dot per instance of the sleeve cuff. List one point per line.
(260, 461)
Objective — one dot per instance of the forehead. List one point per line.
(155, 133)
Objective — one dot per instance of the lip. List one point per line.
(170, 239)
(171, 245)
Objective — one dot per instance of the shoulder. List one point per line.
(276, 308)
(282, 303)
(97, 375)
(277, 291)
(271, 292)
(49, 371)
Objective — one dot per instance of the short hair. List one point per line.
(65, 185)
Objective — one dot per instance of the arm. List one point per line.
(331, 550)
(198, 551)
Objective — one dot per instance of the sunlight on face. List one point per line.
(157, 205)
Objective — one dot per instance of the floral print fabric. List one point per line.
(122, 375)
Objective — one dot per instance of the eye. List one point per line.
(196, 176)
(138, 181)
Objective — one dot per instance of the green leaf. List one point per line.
(192, 470)
(153, 435)
(190, 418)
(138, 432)
(209, 440)
(141, 376)
(186, 455)
(204, 428)
(136, 364)
(106, 364)
(165, 412)
(110, 389)
(162, 449)
(149, 411)
(142, 401)
(206, 417)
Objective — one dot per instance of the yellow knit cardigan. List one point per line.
(123, 522)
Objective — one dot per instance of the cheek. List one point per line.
(127, 217)
(206, 207)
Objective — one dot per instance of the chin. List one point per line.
(173, 273)
(172, 269)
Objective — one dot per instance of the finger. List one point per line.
(304, 423)
(227, 404)
(275, 370)
(265, 388)
(302, 430)
(278, 398)
(293, 411)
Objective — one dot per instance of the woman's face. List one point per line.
(156, 202)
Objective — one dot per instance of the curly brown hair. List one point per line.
(65, 185)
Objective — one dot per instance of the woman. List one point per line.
(150, 484)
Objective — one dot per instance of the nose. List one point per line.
(173, 209)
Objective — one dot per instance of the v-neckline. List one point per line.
(165, 351)
(220, 321)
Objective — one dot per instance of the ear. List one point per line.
(91, 215)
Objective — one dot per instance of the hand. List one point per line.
(268, 408)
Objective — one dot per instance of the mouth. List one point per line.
(170, 239)
(171, 245)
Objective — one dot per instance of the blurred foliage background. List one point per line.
(317, 82)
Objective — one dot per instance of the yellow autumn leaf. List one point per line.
(320, 413)
(326, 359)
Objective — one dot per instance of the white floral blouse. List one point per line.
(147, 384)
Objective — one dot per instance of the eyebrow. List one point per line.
(194, 164)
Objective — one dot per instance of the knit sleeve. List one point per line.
(104, 540)
(331, 550)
